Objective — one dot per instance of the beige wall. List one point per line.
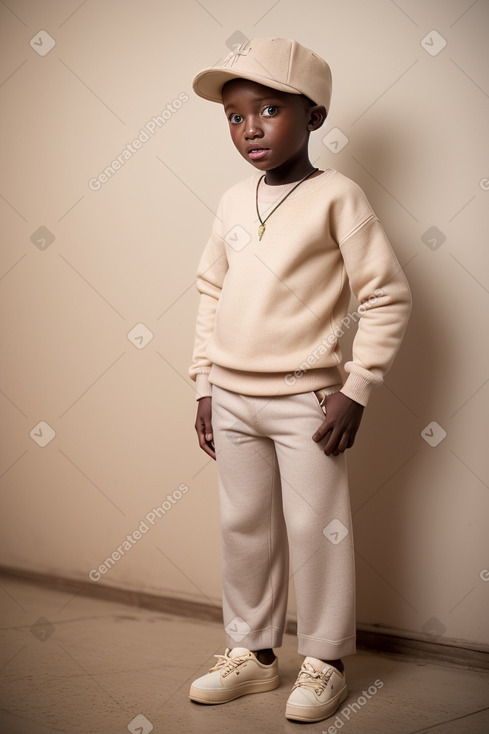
(125, 254)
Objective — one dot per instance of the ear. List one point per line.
(317, 116)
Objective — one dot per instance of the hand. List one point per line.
(343, 416)
(203, 426)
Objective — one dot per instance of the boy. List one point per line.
(286, 246)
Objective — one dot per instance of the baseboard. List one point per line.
(447, 652)
(392, 642)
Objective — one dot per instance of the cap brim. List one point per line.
(208, 83)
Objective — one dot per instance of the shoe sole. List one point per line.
(229, 694)
(315, 713)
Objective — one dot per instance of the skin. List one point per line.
(260, 117)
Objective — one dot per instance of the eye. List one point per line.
(235, 119)
(270, 110)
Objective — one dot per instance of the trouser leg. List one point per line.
(254, 539)
(317, 512)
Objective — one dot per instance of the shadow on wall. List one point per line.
(387, 485)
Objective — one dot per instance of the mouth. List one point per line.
(256, 154)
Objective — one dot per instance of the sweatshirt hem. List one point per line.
(273, 383)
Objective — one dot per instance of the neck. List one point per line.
(278, 176)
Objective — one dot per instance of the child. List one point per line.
(286, 246)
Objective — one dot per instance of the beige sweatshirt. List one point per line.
(271, 312)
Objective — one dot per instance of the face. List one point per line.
(269, 128)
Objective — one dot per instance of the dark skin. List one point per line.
(271, 129)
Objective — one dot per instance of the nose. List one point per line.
(252, 128)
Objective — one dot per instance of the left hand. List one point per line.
(343, 416)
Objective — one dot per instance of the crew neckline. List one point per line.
(269, 192)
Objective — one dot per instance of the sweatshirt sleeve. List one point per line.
(211, 272)
(378, 282)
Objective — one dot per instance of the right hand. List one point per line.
(203, 426)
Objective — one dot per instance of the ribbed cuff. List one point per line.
(202, 386)
(359, 388)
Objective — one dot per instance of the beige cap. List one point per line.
(278, 63)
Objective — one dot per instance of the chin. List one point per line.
(258, 166)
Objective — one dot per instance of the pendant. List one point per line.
(261, 230)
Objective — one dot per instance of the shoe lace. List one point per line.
(310, 678)
(225, 663)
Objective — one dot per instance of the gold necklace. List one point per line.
(261, 228)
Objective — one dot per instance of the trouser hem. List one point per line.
(326, 649)
(261, 640)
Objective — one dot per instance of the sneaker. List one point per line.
(235, 674)
(317, 693)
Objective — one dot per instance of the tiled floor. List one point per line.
(98, 667)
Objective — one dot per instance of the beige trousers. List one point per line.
(281, 497)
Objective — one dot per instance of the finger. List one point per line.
(207, 423)
(332, 444)
(209, 450)
(206, 438)
(206, 446)
(351, 439)
(342, 444)
(321, 432)
(201, 432)
(209, 439)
